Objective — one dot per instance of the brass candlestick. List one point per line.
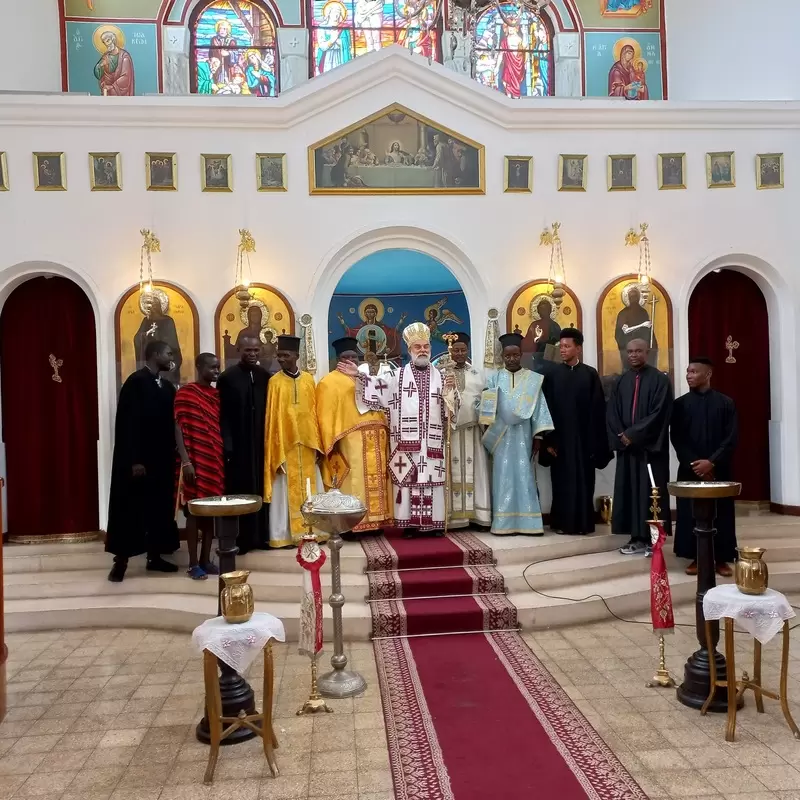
(316, 702)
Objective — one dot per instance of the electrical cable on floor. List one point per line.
(600, 597)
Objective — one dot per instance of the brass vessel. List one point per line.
(236, 597)
(606, 507)
(752, 574)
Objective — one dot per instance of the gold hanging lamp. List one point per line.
(247, 245)
(557, 276)
(150, 245)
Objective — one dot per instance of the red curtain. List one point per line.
(729, 305)
(49, 427)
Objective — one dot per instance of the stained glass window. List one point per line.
(344, 29)
(234, 49)
(514, 52)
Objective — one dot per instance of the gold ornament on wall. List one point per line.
(243, 277)
(557, 275)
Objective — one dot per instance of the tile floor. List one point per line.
(110, 715)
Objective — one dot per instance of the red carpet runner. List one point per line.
(475, 716)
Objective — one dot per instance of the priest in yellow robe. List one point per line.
(292, 445)
(356, 446)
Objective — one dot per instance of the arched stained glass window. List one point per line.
(234, 49)
(344, 29)
(514, 51)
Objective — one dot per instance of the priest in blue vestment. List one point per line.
(520, 417)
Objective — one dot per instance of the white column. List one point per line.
(176, 59)
(567, 51)
(293, 48)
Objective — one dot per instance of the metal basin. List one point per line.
(704, 489)
(333, 512)
(231, 505)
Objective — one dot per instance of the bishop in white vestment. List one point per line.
(415, 399)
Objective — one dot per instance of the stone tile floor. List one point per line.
(110, 715)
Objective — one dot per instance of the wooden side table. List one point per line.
(260, 724)
(763, 616)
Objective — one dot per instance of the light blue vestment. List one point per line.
(522, 413)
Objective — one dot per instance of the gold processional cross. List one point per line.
(56, 364)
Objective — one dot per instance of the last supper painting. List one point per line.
(396, 152)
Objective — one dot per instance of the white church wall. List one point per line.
(30, 58)
(304, 243)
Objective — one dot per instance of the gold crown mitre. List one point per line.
(417, 333)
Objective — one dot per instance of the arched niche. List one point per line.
(267, 315)
(619, 320)
(139, 319)
(523, 316)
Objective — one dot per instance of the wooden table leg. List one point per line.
(787, 714)
(268, 737)
(712, 665)
(730, 730)
(213, 711)
(757, 676)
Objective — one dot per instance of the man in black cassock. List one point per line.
(243, 409)
(579, 444)
(637, 418)
(141, 508)
(704, 432)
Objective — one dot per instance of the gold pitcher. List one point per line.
(752, 575)
(236, 597)
(606, 506)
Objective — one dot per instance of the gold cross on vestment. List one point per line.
(730, 346)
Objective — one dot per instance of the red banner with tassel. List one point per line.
(660, 594)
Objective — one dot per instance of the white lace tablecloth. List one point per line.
(238, 645)
(761, 615)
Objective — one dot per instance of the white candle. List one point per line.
(652, 479)
(308, 488)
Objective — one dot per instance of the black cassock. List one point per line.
(141, 511)
(575, 398)
(647, 427)
(704, 427)
(243, 409)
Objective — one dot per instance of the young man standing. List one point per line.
(202, 467)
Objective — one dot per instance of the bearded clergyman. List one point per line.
(419, 402)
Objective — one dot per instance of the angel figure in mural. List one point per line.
(368, 16)
(114, 70)
(418, 18)
(334, 40)
(437, 315)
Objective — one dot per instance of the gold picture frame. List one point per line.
(521, 181)
(769, 171)
(3, 172)
(50, 172)
(671, 171)
(328, 165)
(572, 172)
(161, 172)
(721, 170)
(271, 172)
(216, 172)
(105, 172)
(621, 173)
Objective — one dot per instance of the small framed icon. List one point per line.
(50, 172)
(672, 170)
(3, 172)
(720, 170)
(271, 172)
(572, 173)
(518, 174)
(161, 172)
(216, 173)
(105, 172)
(769, 171)
(621, 173)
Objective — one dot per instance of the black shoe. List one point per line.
(118, 571)
(158, 564)
(407, 534)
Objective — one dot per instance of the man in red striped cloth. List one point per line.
(201, 472)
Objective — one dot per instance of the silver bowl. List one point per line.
(333, 512)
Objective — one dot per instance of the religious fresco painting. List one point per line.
(622, 65)
(105, 172)
(112, 59)
(344, 29)
(533, 312)
(113, 9)
(377, 323)
(267, 315)
(620, 14)
(572, 173)
(630, 310)
(720, 170)
(50, 172)
(514, 51)
(161, 172)
(672, 170)
(165, 314)
(234, 50)
(621, 173)
(216, 172)
(518, 174)
(396, 152)
(769, 171)
(271, 172)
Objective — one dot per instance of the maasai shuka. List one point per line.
(660, 594)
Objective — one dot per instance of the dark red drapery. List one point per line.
(729, 304)
(49, 427)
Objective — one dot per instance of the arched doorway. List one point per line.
(729, 323)
(48, 359)
(385, 291)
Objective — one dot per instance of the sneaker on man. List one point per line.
(633, 549)
(648, 551)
